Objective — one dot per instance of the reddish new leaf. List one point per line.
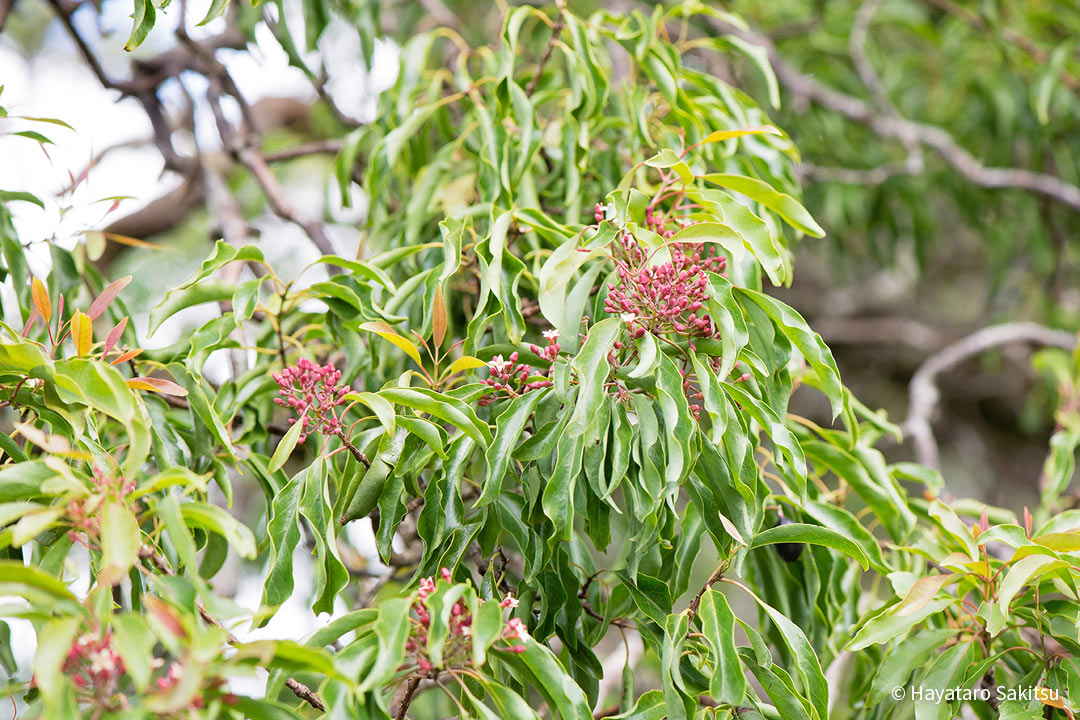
(160, 385)
(114, 336)
(102, 301)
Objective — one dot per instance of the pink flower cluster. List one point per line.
(93, 664)
(658, 223)
(512, 378)
(457, 651)
(668, 297)
(312, 391)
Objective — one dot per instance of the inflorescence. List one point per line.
(313, 392)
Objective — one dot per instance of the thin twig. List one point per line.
(316, 147)
(716, 577)
(275, 194)
(410, 691)
(556, 30)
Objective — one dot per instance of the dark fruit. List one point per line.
(788, 552)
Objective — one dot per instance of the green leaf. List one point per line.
(885, 626)
(216, 8)
(331, 576)
(54, 641)
(1049, 79)
(897, 665)
(210, 290)
(811, 535)
(808, 342)
(7, 196)
(217, 520)
(1021, 573)
(134, 641)
(392, 629)
(383, 410)
(806, 660)
(443, 407)
(727, 684)
(539, 667)
(120, 541)
(440, 604)
(508, 428)
(787, 207)
(592, 368)
(283, 529)
(285, 447)
(35, 586)
(143, 22)
(33, 523)
(432, 435)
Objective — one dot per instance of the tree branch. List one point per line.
(923, 393)
(316, 147)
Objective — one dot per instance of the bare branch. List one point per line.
(316, 147)
(860, 31)
(923, 393)
(305, 693)
(275, 194)
(850, 176)
(810, 89)
(6, 6)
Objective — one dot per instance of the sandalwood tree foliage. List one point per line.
(555, 380)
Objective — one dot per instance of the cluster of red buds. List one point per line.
(667, 297)
(510, 377)
(457, 651)
(660, 223)
(94, 665)
(313, 392)
(82, 512)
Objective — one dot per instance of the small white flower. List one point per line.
(551, 334)
(498, 365)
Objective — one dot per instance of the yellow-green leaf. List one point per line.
(388, 333)
(82, 333)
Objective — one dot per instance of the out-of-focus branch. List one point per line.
(923, 393)
(316, 147)
(275, 194)
(244, 146)
(851, 176)
(810, 89)
(893, 330)
(860, 32)
(6, 6)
